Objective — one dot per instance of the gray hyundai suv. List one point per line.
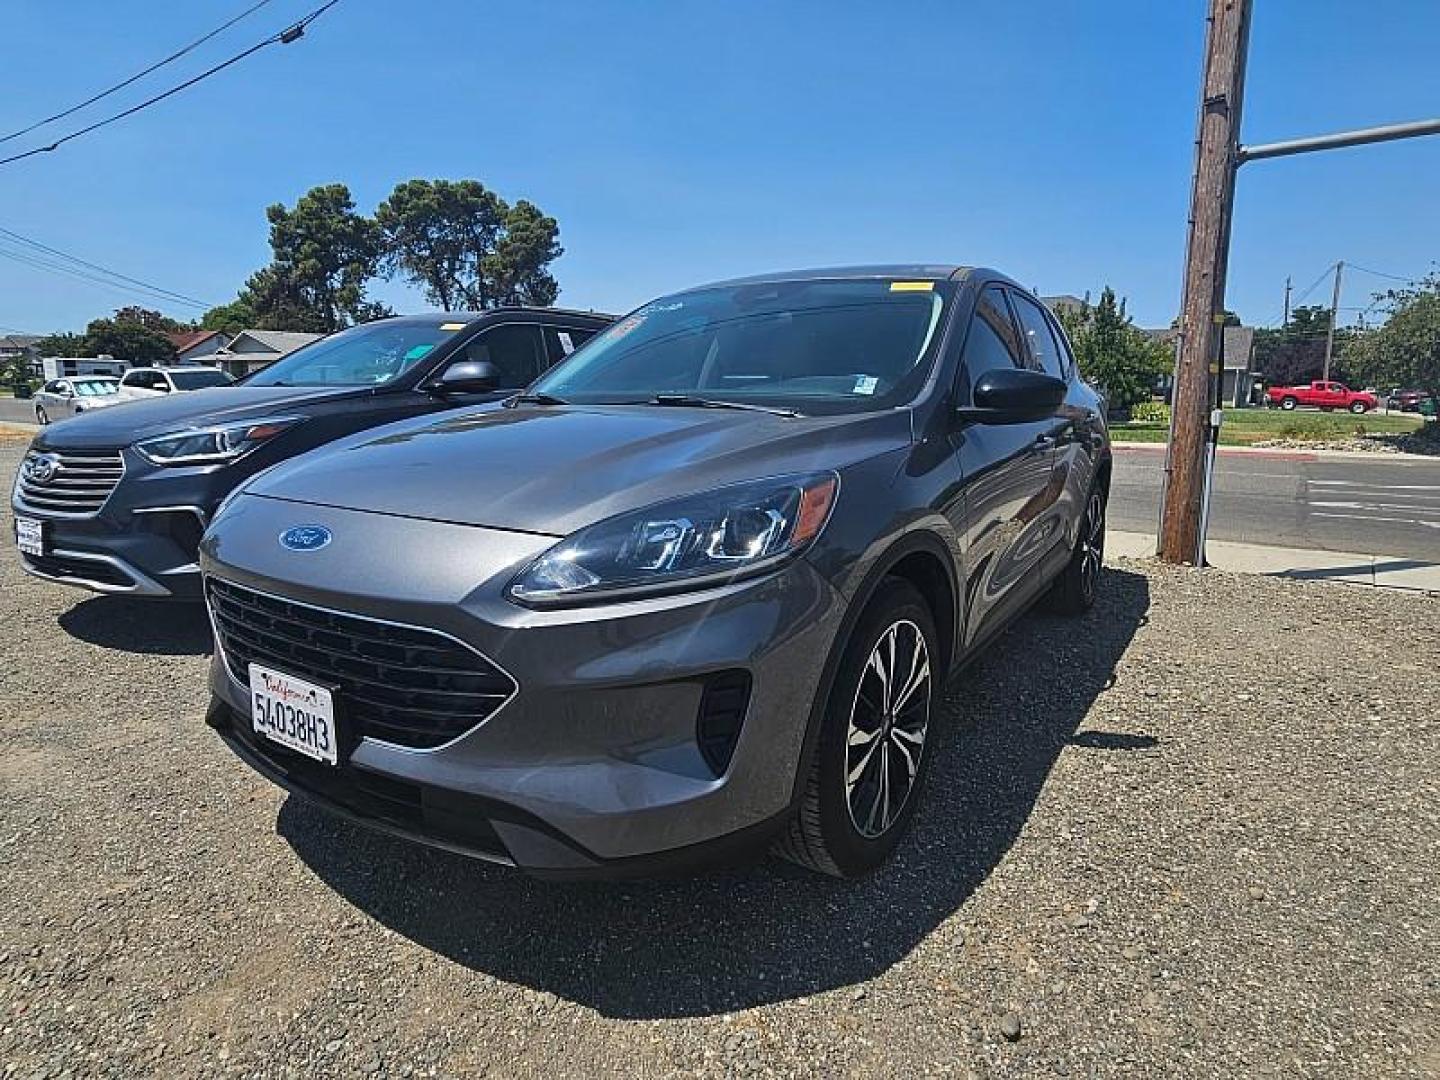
(696, 591)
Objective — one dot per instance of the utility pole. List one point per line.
(1202, 310)
(1334, 314)
(1286, 324)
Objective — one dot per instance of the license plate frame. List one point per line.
(30, 536)
(295, 713)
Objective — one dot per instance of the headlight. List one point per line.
(688, 543)
(209, 445)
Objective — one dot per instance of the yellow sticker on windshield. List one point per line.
(452, 326)
(912, 286)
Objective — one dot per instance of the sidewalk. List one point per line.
(1292, 453)
(1388, 571)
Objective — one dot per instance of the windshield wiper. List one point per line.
(534, 399)
(690, 401)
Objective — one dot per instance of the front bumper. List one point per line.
(142, 541)
(595, 764)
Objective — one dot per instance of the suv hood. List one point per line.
(129, 421)
(554, 470)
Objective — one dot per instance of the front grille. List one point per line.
(401, 684)
(92, 570)
(75, 482)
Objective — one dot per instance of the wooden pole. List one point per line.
(1207, 249)
(1334, 317)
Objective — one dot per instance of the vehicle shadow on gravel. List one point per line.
(768, 931)
(149, 627)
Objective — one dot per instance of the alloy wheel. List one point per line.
(886, 734)
(1092, 543)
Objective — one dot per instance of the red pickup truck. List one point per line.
(1322, 395)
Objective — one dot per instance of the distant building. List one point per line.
(250, 350)
(1064, 302)
(21, 345)
(197, 346)
(1239, 354)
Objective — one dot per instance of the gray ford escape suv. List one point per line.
(697, 590)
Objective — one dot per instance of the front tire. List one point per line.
(866, 774)
(1075, 589)
(1288, 404)
(41, 416)
(1358, 407)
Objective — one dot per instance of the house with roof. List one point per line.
(197, 346)
(251, 350)
(1238, 355)
(26, 346)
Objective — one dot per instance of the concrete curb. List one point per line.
(1384, 571)
(1296, 453)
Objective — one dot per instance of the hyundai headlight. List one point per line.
(688, 543)
(212, 445)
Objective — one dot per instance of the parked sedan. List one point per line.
(60, 398)
(148, 382)
(116, 502)
(698, 589)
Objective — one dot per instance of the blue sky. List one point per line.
(685, 141)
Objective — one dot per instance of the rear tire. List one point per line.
(1288, 404)
(857, 803)
(41, 416)
(1075, 589)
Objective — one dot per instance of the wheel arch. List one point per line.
(922, 558)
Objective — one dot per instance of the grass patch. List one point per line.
(1243, 427)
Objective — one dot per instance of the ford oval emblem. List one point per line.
(305, 537)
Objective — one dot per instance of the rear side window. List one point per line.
(1045, 351)
(993, 341)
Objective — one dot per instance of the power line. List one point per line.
(284, 37)
(56, 268)
(1380, 273)
(1323, 275)
(136, 77)
(178, 297)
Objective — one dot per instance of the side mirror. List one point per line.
(468, 377)
(1013, 396)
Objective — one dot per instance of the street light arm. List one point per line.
(1360, 137)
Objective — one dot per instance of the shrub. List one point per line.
(1151, 412)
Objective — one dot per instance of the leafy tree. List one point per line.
(126, 340)
(1405, 351)
(1295, 354)
(63, 344)
(466, 247)
(1113, 353)
(229, 319)
(324, 253)
(151, 320)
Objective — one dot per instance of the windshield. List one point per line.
(95, 387)
(195, 380)
(369, 355)
(815, 346)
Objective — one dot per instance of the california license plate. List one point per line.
(30, 536)
(294, 713)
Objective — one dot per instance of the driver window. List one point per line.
(515, 350)
(992, 341)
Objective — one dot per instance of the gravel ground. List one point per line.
(1128, 863)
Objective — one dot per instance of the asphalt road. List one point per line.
(1385, 506)
(17, 411)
